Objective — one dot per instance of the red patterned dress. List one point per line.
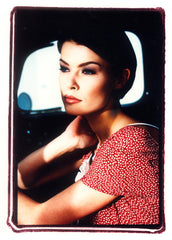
(126, 165)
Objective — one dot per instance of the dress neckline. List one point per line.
(142, 124)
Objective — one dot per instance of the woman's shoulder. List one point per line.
(133, 134)
(135, 137)
(148, 129)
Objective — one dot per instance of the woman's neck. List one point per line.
(108, 122)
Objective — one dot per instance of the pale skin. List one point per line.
(85, 76)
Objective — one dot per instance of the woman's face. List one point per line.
(85, 82)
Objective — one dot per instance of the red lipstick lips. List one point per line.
(71, 99)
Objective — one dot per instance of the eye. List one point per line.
(88, 71)
(63, 69)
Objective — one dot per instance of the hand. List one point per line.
(80, 131)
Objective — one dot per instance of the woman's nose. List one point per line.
(73, 82)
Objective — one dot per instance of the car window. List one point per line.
(39, 88)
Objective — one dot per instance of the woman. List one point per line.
(117, 182)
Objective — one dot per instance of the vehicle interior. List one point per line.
(32, 125)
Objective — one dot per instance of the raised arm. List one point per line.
(78, 135)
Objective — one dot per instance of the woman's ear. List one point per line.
(121, 81)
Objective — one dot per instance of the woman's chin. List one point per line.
(74, 111)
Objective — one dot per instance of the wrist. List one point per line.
(71, 142)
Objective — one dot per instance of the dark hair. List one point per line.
(112, 45)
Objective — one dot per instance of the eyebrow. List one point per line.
(82, 64)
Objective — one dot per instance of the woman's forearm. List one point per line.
(27, 209)
(29, 167)
(78, 135)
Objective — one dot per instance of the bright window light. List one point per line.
(39, 87)
(137, 90)
(39, 79)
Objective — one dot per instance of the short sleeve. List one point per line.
(125, 164)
